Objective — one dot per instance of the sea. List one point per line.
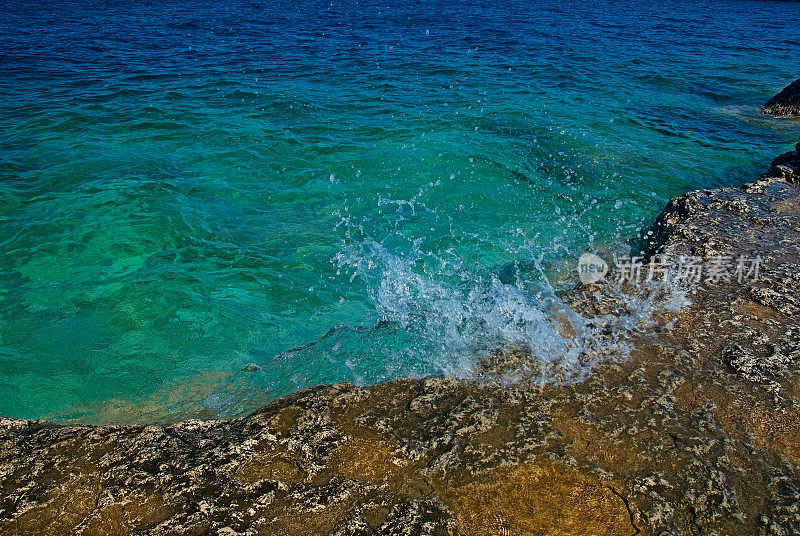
(205, 206)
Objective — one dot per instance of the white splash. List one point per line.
(457, 317)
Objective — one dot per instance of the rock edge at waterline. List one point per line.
(787, 102)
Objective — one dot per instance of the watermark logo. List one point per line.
(591, 268)
(681, 269)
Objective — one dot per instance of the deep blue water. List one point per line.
(189, 187)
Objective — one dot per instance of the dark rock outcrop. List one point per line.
(698, 432)
(787, 102)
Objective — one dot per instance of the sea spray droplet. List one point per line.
(591, 268)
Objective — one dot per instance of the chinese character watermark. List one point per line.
(685, 270)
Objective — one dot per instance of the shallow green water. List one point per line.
(187, 189)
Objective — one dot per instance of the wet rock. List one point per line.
(786, 166)
(787, 102)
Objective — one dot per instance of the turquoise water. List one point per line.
(341, 191)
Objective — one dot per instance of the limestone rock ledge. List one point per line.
(698, 432)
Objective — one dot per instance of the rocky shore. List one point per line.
(697, 432)
(787, 102)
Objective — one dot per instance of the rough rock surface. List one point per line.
(787, 102)
(698, 432)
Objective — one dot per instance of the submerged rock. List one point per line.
(698, 432)
(787, 102)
